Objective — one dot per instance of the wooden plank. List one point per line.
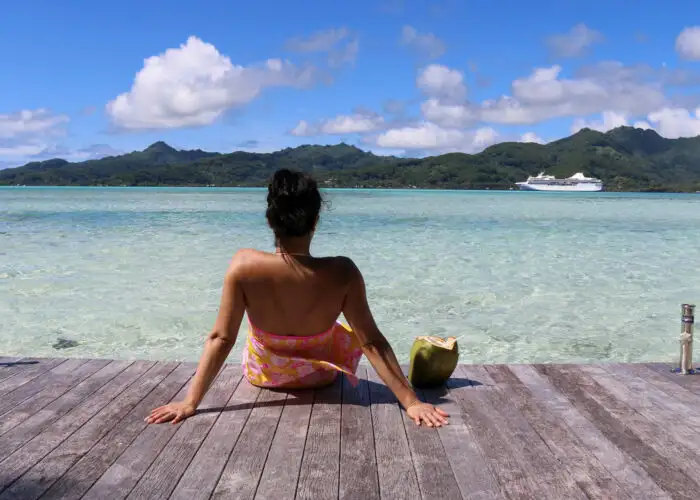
(43, 419)
(320, 467)
(28, 373)
(653, 484)
(358, 465)
(672, 391)
(42, 475)
(281, 472)
(10, 366)
(397, 475)
(38, 384)
(81, 476)
(631, 477)
(242, 472)
(435, 477)
(664, 458)
(588, 473)
(165, 472)
(628, 385)
(465, 457)
(202, 474)
(476, 375)
(21, 405)
(123, 474)
(41, 445)
(688, 382)
(504, 458)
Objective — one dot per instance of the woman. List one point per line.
(290, 296)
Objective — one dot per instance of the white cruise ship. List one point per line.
(577, 182)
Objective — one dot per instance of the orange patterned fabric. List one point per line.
(292, 362)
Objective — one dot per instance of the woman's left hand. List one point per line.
(177, 412)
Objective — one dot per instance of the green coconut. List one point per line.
(433, 360)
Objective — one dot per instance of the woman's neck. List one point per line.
(294, 246)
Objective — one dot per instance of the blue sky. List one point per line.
(396, 77)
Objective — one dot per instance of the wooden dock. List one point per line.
(74, 428)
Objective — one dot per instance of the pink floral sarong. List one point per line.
(293, 362)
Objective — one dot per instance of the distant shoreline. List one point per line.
(369, 188)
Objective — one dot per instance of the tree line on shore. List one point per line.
(625, 158)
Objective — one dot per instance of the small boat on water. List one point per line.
(577, 182)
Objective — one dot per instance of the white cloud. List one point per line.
(29, 133)
(442, 82)
(357, 123)
(31, 122)
(610, 120)
(194, 85)
(544, 95)
(531, 137)
(688, 43)
(349, 124)
(96, 151)
(575, 42)
(448, 115)
(321, 41)
(21, 150)
(338, 43)
(426, 44)
(670, 123)
(674, 123)
(644, 125)
(429, 136)
(344, 55)
(303, 128)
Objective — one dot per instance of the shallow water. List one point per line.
(516, 277)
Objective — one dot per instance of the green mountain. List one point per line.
(625, 158)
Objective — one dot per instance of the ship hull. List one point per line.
(583, 187)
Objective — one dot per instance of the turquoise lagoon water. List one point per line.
(516, 277)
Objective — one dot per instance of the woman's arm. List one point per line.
(380, 354)
(216, 349)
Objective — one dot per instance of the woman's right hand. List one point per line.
(425, 412)
(177, 412)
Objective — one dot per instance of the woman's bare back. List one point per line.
(293, 295)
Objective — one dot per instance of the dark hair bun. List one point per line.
(293, 203)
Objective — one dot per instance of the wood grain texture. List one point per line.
(656, 482)
(35, 395)
(49, 469)
(573, 456)
(500, 450)
(81, 476)
(667, 392)
(23, 373)
(123, 474)
(435, 476)
(45, 418)
(281, 472)
(463, 453)
(203, 473)
(358, 466)
(320, 467)
(165, 472)
(665, 410)
(74, 429)
(395, 469)
(242, 472)
(665, 459)
(41, 445)
(630, 475)
(688, 382)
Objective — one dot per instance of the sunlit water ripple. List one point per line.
(516, 277)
